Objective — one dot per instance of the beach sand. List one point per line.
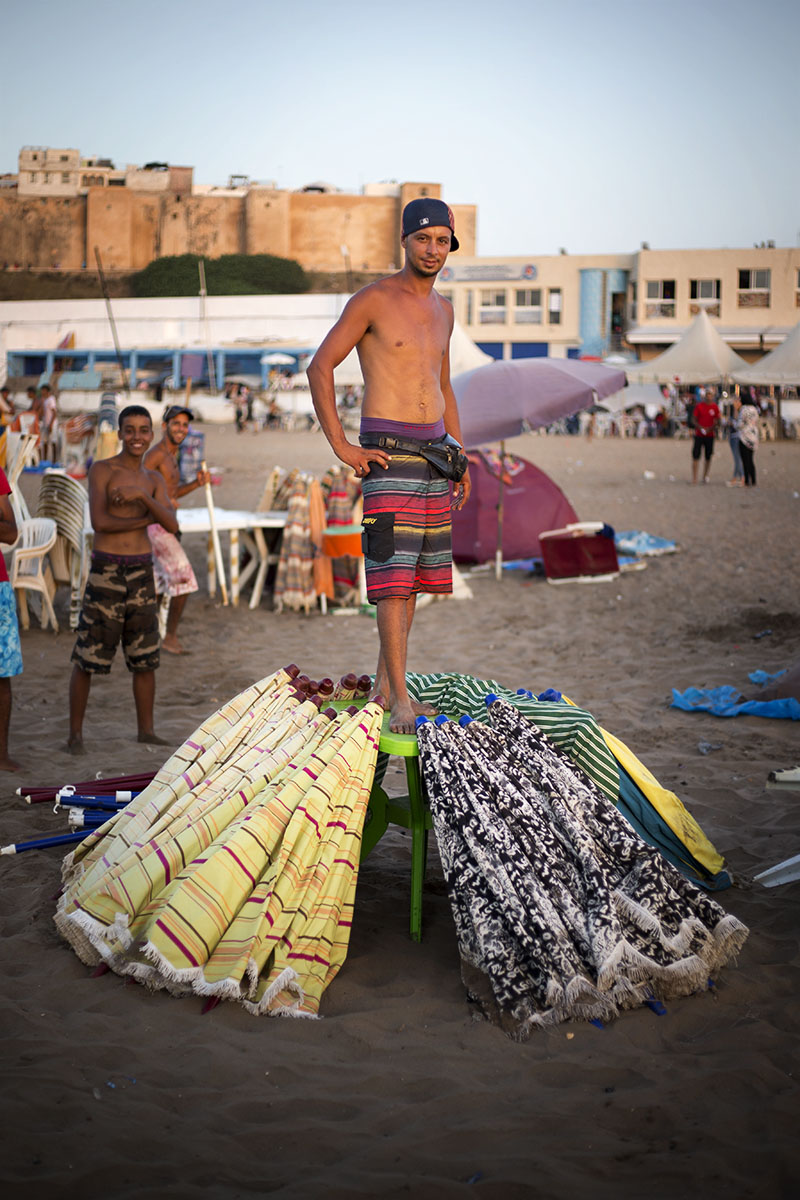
(111, 1090)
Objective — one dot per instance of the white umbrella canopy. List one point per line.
(504, 399)
(701, 356)
(648, 395)
(277, 359)
(779, 368)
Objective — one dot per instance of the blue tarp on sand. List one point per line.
(726, 701)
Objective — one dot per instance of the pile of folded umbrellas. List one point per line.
(232, 873)
(561, 909)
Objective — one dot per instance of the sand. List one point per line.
(110, 1090)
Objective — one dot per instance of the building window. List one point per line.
(632, 310)
(470, 307)
(660, 298)
(65, 176)
(554, 306)
(754, 289)
(528, 306)
(493, 307)
(445, 295)
(47, 176)
(705, 294)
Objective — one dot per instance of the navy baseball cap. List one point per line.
(417, 214)
(175, 410)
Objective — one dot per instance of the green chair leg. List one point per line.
(410, 811)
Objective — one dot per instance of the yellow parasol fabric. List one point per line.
(234, 873)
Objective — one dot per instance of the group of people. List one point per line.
(136, 558)
(43, 420)
(253, 413)
(743, 435)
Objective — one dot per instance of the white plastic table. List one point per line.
(236, 522)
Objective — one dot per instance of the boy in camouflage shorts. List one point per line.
(119, 604)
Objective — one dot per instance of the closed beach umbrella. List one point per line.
(236, 877)
(558, 903)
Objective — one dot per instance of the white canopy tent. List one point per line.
(779, 368)
(701, 356)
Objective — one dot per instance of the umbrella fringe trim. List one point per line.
(89, 937)
(158, 972)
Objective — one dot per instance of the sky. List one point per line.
(570, 124)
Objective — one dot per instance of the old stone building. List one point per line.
(65, 206)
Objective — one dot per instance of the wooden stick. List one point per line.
(215, 538)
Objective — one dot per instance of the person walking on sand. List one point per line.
(10, 650)
(401, 330)
(749, 420)
(734, 410)
(705, 419)
(173, 571)
(119, 603)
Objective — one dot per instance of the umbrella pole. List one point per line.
(498, 557)
(215, 539)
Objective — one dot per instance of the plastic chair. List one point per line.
(64, 501)
(30, 570)
(410, 811)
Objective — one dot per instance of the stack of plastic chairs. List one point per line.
(64, 501)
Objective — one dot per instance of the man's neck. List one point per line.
(421, 284)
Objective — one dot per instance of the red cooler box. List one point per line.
(579, 553)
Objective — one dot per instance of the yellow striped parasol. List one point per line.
(234, 873)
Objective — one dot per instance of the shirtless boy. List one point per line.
(401, 330)
(120, 599)
(173, 571)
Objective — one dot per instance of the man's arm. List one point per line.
(8, 522)
(452, 422)
(200, 480)
(345, 335)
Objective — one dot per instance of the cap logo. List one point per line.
(424, 221)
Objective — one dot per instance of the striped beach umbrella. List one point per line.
(236, 877)
(573, 729)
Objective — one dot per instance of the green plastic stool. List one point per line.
(410, 811)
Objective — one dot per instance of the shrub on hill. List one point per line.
(228, 275)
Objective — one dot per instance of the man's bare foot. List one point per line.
(75, 745)
(424, 710)
(9, 764)
(152, 739)
(171, 644)
(402, 717)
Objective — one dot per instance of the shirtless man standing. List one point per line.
(173, 571)
(119, 603)
(401, 330)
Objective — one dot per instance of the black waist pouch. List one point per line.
(444, 453)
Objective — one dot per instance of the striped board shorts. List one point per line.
(406, 539)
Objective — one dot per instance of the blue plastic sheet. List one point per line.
(634, 541)
(763, 677)
(726, 701)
